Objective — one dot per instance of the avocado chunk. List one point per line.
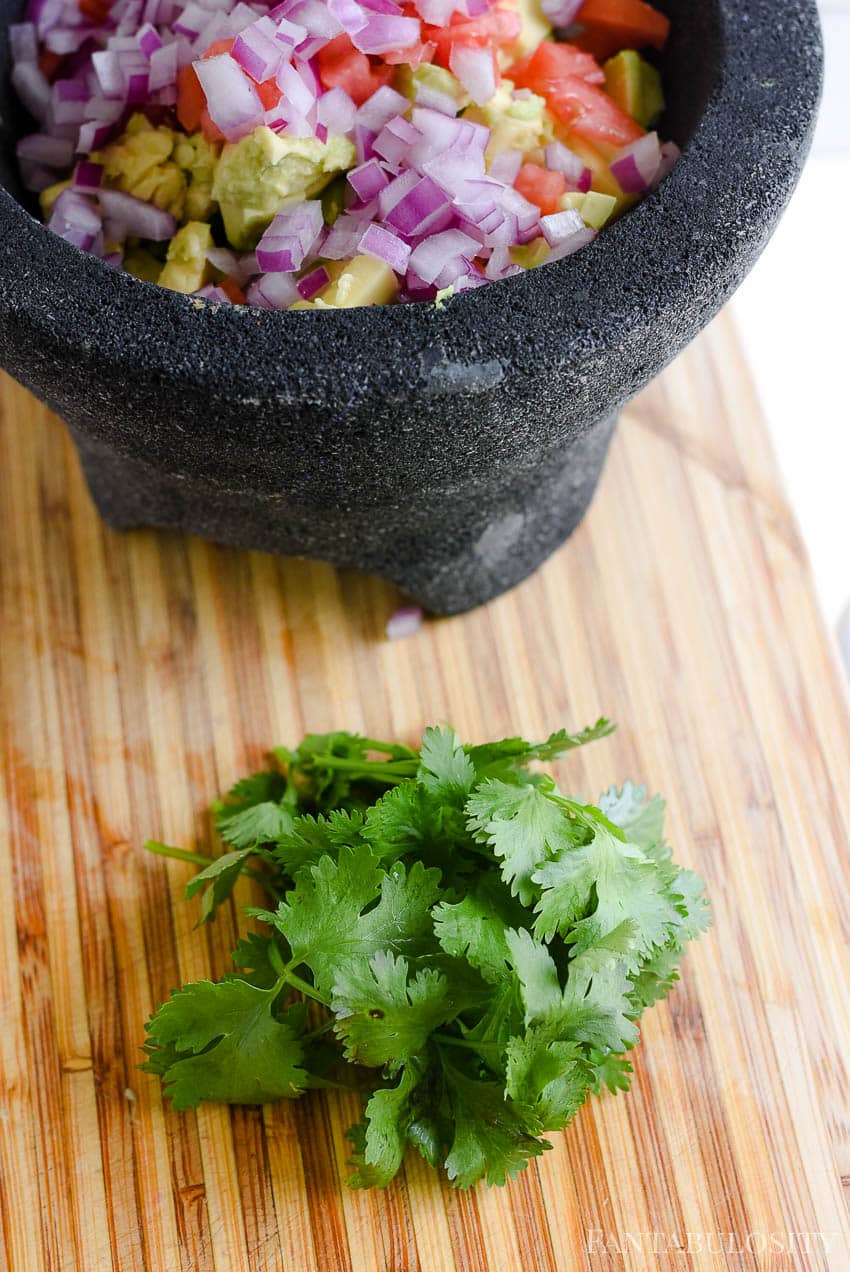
(535, 27)
(142, 264)
(360, 281)
(530, 255)
(429, 75)
(197, 158)
(140, 163)
(595, 209)
(264, 172)
(515, 123)
(186, 267)
(634, 85)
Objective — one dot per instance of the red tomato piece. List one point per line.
(231, 289)
(591, 114)
(341, 65)
(495, 29)
(552, 61)
(191, 101)
(612, 25)
(540, 186)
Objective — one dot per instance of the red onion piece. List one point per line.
(88, 177)
(378, 242)
(670, 156)
(273, 291)
(163, 68)
(32, 89)
(476, 70)
(636, 165)
(336, 111)
(432, 256)
(368, 180)
(403, 622)
(417, 210)
(138, 218)
(232, 99)
(311, 284)
(559, 158)
(51, 152)
(383, 33)
(381, 107)
(561, 13)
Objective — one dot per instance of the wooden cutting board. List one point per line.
(140, 674)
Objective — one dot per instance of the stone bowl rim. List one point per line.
(145, 316)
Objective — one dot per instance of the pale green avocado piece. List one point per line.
(535, 27)
(264, 172)
(634, 85)
(594, 208)
(530, 255)
(140, 163)
(434, 77)
(197, 158)
(515, 123)
(186, 267)
(142, 264)
(360, 281)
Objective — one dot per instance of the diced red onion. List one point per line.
(383, 33)
(213, 294)
(349, 14)
(343, 238)
(417, 210)
(258, 51)
(163, 68)
(670, 156)
(149, 40)
(88, 177)
(363, 139)
(226, 262)
(425, 95)
(336, 111)
(289, 34)
(476, 70)
(561, 13)
(396, 190)
(636, 165)
(437, 12)
(273, 291)
(301, 100)
(232, 100)
(110, 76)
(138, 218)
(403, 622)
(192, 21)
(381, 107)
(561, 159)
(432, 256)
(23, 42)
(92, 136)
(32, 88)
(290, 238)
(368, 180)
(573, 243)
(378, 242)
(506, 164)
(560, 225)
(52, 152)
(312, 283)
(394, 141)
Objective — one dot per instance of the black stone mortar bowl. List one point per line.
(448, 449)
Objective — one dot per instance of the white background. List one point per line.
(793, 315)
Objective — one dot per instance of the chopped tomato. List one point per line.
(413, 56)
(341, 65)
(269, 93)
(232, 290)
(612, 25)
(540, 186)
(191, 101)
(495, 29)
(551, 61)
(210, 130)
(220, 46)
(97, 11)
(592, 115)
(49, 63)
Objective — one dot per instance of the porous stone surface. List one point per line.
(449, 449)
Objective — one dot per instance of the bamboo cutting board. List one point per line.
(140, 674)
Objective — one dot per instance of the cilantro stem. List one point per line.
(179, 854)
(317, 1033)
(588, 813)
(463, 1042)
(285, 972)
(389, 771)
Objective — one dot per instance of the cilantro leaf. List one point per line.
(223, 1043)
(217, 881)
(620, 878)
(445, 770)
(259, 824)
(490, 1141)
(380, 1141)
(328, 923)
(547, 1079)
(385, 1018)
(475, 930)
(522, 826)
(307, 839)
(641, 818)
(498, 759)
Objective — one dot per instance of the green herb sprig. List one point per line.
(444, 918)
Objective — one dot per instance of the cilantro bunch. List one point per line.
(447, 919)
